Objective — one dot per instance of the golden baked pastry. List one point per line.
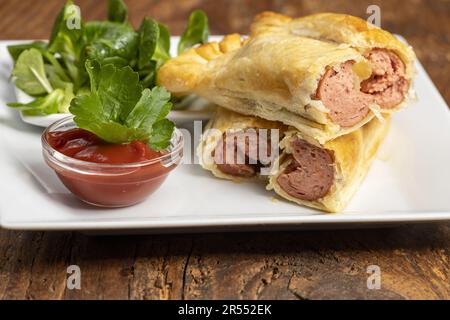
(325, 74)
(322, 176)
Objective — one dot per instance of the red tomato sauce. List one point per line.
(86, 146)
(111, 186)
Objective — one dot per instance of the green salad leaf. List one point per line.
(196, 32)
(56, 81)
(161, 134)
(118, 110)
(118, 89)
(66, 63)
(162, 51)
(67, 42)
(117, 11)
(30, 73)
(148, 39)
(159, 99)
(58, 101)
(67, 31)
(51, 61)
(154, 50)
(109, 39)
(148, 75)
(16, 50)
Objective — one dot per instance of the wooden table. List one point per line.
(414, 259)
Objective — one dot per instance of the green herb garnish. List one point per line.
(197, 31)
(30, 73)
(119, 110)
(58, 101)
(49, 70)
(16, 50)
(117, 11)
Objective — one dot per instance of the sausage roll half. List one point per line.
(326, 74)
(234, 147)
(322, 176)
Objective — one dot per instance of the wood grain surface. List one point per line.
(414, 259)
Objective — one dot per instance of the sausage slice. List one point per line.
(311, 173)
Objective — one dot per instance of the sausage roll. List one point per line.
(249, 149)
(325, 74)
(322, 176)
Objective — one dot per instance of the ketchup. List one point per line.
(115, 185)
(84, 145)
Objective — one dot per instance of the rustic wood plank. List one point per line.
(322, 264)
(17, 261)
(414, 260)
(159, 268)
(48, 270)
(106, 264)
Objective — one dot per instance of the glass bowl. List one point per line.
(111, 185)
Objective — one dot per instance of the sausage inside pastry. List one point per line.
(298, 168)
(326, 74)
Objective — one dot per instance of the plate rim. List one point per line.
(170, 223)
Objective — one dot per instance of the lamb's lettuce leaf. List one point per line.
(117, 11)
(58, 101)
(107, 39)
(67, 32)
(67, 42)
(148, 75)
(29, 73)
(162, 51)
(56, 81)
(154, 50)
(196, 32)
(16, 50)
(148, 39)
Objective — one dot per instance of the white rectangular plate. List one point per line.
(407, 183)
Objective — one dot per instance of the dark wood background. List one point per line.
(414, 259)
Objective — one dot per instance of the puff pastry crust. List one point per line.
(275, 73)
(352, 154)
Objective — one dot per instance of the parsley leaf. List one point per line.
(162, 132)
(118, 110)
